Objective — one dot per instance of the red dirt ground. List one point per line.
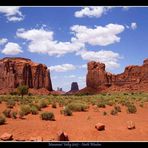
(80, 126)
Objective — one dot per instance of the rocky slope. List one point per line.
(134, 78)
(16, 71)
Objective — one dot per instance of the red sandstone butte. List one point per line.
(16, 71)
(134, 78)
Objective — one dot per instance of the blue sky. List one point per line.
(66, 38)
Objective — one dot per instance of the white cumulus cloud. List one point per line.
(12, 13)
(62, 68)
(11, 49)
(99, 35)
(109, 58)
(134, 25)
(3, 41)
(92, 11)
(42, 41)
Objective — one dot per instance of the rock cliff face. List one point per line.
(16, 71)
(134, 78)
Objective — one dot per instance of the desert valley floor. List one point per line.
(81, 125)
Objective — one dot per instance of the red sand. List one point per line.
(80, 126)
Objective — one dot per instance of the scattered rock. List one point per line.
(19, 139)
(62, 136)
(130, 125)
(100, 126)
(6, 137)
(36, 139)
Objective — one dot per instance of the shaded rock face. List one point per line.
(132, 79)
(74, 86)
(16, 71)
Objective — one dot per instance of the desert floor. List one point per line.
(81, 125)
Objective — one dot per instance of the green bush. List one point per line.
(131, 108)
(67, 111)
(104, 113)
(101, 104)
(21, 114)
(117, 108)
(77, 106)
(14, 115)
(22, 90)
(2, 120)
(141, 104)
(43, 103)
(54, 105)
(10, 103)
(34, 110)
(25, 109)
(13, 93)
(114, 112)
(7, 113)
(47, 116)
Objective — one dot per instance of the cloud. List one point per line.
(110, 58)
(11, 49)
(62, 68)
(99, 35)
(133, 25)
(70, 76)
(12, 13)
(83, 66)
(42, 41)
(92, 11)
(3, 41)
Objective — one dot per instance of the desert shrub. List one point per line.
(22, 90)
(117, 108)
(104, 113)
(114, 112)
(101, 104)
(125, 94)
(103, 94)
(43, 103)
(13, 93)
(54, 105)
(132, 93)
(131, 108)
(25, 109)
(47, 116)
(34, 110)
(141, 104)
(7, 113)
(61, 104)
(77, 106)
(2, 120)
(29, 94)
(67, 111)
(14, 115)
(21, 114)
(10, 103)
(110, 103)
